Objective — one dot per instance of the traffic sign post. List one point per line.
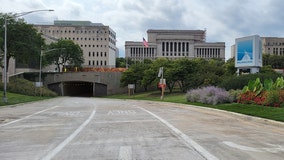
(162, 83)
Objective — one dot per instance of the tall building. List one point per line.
(175, 44)
(97, 41)
(273, 45)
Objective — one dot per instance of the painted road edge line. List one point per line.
(188, 140)
(57, 149)
(18, 120)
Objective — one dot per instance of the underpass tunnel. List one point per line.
(78, 89)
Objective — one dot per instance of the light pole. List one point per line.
(5, 47)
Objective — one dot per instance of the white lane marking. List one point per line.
(275, 149)
(27, 116)
(241, 147)
(125, 153)
(127, 121)
(57, 149)
(121, 112)
(188, 141)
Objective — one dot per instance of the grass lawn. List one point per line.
(247, 109)
(18, 98)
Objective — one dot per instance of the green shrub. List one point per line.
(273, 98)
(25, 87)
(238, 82)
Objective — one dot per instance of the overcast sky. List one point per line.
(224, 20)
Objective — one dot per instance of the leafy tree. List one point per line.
(187, 73)
(120, 62)
(206, 73)
(276, 61)
(230, 68)
(133, 75)
(23, 41)
(182, 69)
(65, 52)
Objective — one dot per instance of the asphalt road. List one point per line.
(107, 129)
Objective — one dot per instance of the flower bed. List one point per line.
(268, 93)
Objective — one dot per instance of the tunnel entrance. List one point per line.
(79, 89)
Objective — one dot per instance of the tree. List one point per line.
(23, 41)
(66, 52)
(133, 75)
(276, 61)
(120, 62)
(230, 68)
(182, 69)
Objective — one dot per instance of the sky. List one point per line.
(224, 20)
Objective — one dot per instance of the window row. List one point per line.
(174, 54)
(275, 43)
(139, 50)
(208, 52)
(85, 45)
(74, 31)
(278, 51)
(110, 40)
(90, 39)
(175, 46)
(94, 54)
(98, 32)
(97, 63)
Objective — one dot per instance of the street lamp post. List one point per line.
(5, 52)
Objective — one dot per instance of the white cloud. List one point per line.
(130, 19)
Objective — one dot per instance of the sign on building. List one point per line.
(248, 54)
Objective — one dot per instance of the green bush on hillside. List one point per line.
(23, 86)
(238, 82)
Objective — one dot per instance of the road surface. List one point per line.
(107, 129)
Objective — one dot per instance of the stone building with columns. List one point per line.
(174, 44)
(273, 45)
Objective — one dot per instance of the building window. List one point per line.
(171, 46)
(167, 46)
(187, 46)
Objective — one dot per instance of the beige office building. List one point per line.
(174, 44)
(97, 41)
(273, 45)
